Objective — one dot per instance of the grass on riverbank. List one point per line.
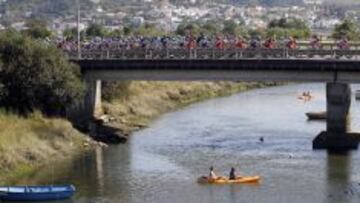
(28, 143)
(147, 100)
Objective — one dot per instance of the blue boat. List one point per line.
(36, 193)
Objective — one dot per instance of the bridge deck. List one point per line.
(216, 54)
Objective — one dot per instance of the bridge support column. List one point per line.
(336, 136)
(93, 106)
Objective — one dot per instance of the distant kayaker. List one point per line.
(212, 175)
(232, 175)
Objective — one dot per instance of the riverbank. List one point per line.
(145, 101)
(29, 143)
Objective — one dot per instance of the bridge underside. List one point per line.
(223, 75)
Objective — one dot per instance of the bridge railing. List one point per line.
(216, 54)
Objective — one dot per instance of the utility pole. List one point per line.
(78, 29)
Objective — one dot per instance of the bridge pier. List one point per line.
(93, 106)
(336, 136)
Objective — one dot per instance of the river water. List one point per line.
(161, 163)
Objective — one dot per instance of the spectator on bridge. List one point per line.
(255, 42)
(315, 42)
(240, 43)
(203, 41)
(165, 41)
(191, 42)
(291, 43)
(270, 43)
(343, 43)
(219, 43)
(200, 38)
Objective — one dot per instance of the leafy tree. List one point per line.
(37, 29)
(288, 27)
(210, 28)
(71, 33)
(283, 33)
(256, 33)
(35, 76)
(288, 23)
(96, 30)
(127, 30)
(185, 28)
(229, 27)
(149, 30)
(348, 28)
(116, 33)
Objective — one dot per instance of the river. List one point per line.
(161, 163)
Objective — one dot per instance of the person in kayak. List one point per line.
(212, 175)
(232, 175)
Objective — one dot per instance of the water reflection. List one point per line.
(338, 177)
(100, 169)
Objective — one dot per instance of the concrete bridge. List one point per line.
(216, 54)
(337, 73)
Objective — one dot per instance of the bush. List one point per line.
(115, 90)
(286, 32)
(35, 76)
(288, 27)
(37, 29)
(96, 30)
(291, 23)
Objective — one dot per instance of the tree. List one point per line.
(35, 76)
(210, 28)
(348, 29)
(288, 27)
(37, 29)
(96, 30)
(70, 33)
(149, 30)
(186, 28)
(116, 33)
(229, 27)
(127, 30)
(283, 33)
(253, 33)
(288, 23)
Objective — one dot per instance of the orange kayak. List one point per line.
(225, 180)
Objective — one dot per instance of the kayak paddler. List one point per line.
(232, 175)
(212, 175)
